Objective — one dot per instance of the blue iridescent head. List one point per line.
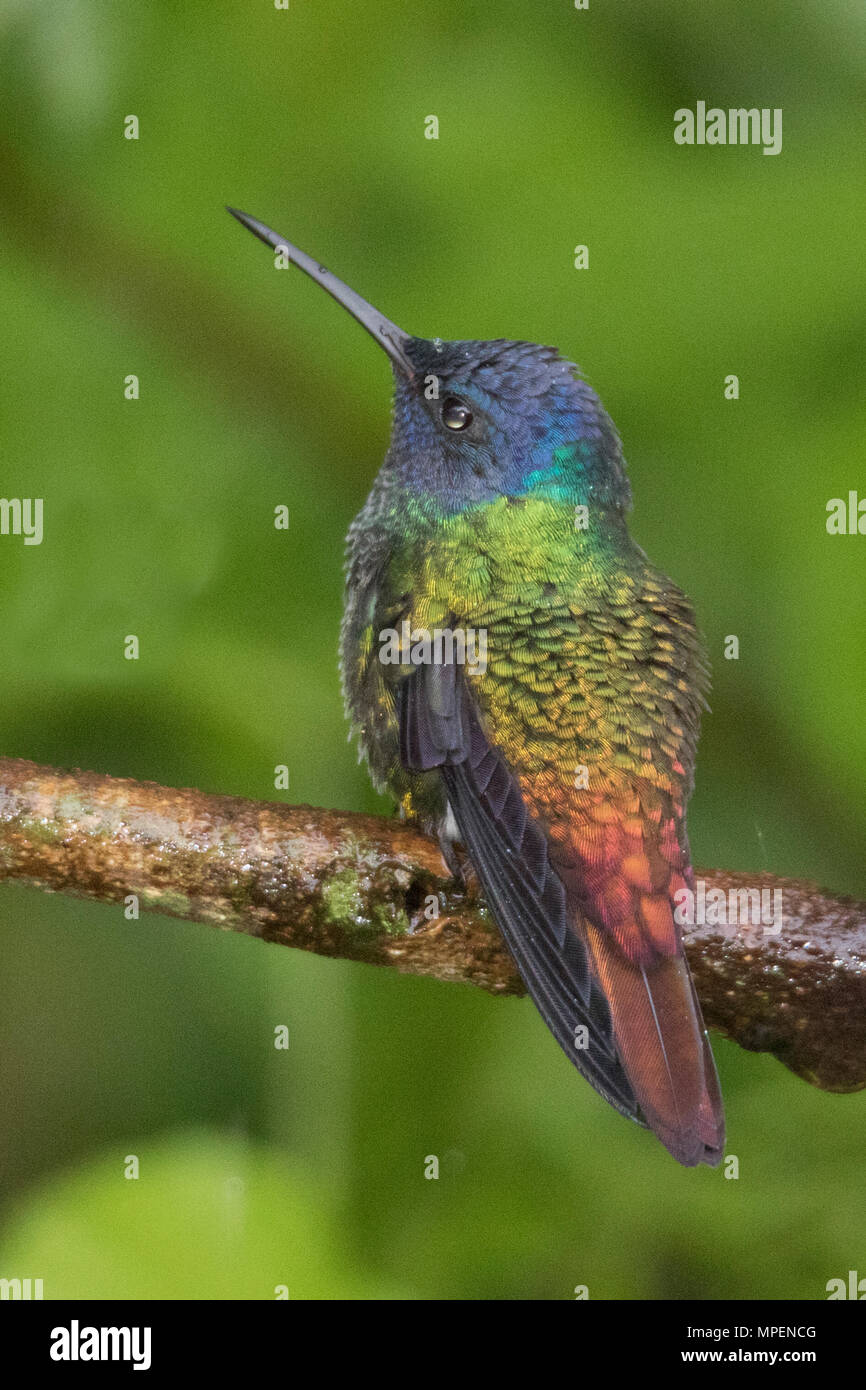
(478, 420)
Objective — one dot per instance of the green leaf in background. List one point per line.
(208, 1217)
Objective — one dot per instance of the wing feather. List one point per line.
(509, 852)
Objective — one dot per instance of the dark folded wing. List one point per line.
(440, 728)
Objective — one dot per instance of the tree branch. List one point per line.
(356, 886)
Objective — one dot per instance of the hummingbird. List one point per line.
(563, 760)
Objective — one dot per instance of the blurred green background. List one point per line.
(306, 1168)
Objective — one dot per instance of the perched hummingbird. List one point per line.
(562, 762)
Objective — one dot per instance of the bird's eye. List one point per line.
(456, 413)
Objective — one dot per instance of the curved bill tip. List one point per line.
(386, 333)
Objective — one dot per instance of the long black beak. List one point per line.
(386, 333)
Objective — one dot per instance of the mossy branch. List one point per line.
(361, 887)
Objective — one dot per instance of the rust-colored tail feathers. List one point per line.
(662, 1044)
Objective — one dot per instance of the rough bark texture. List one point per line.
(362, 887)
